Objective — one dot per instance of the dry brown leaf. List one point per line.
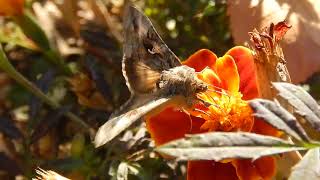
(104, 18)
(270, 66)
(301, 44)
(87, 94)
(269, 59)
(69, 10)
(50, 16)
(46, 147)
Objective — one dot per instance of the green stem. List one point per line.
(14, 74)
(310, 145)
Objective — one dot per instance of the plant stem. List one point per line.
(14, 74)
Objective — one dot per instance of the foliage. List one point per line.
(223, 146)
(67, 80)
(61, 79)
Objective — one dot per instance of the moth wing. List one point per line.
(118, 124)
(145, 53)
(135, 101)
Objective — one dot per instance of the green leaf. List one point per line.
(278, 117)
(304, 104)
(210, 9)
(33, 31)
(14, 36)
(218, 146)
(308, 167)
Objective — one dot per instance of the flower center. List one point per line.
(226, 112)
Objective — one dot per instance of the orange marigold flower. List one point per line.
(232, 81)
(11, 7)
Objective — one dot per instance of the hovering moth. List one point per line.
(154, 75)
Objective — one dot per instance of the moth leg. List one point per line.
(187, 111)
(202, 112)
(207, 67)
(205, 103)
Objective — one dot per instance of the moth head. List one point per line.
(200, 86)
(197, 85)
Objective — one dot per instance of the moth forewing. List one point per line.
(118, 124)
(145, 53)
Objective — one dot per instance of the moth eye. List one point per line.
(149, 47)
(134, 24)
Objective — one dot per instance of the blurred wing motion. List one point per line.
(145, 57)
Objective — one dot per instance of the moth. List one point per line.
(154, 75)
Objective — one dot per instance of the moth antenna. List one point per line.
(216, 87)
(191, 124)
(219, 92)
(214, 101)
(210, 104)
(212, 89)
(210, 85)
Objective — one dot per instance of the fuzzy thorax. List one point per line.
(181, 80)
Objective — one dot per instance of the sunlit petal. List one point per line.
(201, 59)
(228, 73)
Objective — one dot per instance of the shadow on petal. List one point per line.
(262, 168)
(246, 68)
(210, 170)
(261, 127)
(168, 125)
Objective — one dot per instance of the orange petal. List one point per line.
(262, 168)
(210, 170)
(168, 125)
(11, 7)
(197, 122)
(261, 127)
(266, 166)
(209, 76)
(201, 59)
(246, 68)
(228, 73)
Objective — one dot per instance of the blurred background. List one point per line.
(72, 50)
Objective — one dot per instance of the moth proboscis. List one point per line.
(154, 75)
